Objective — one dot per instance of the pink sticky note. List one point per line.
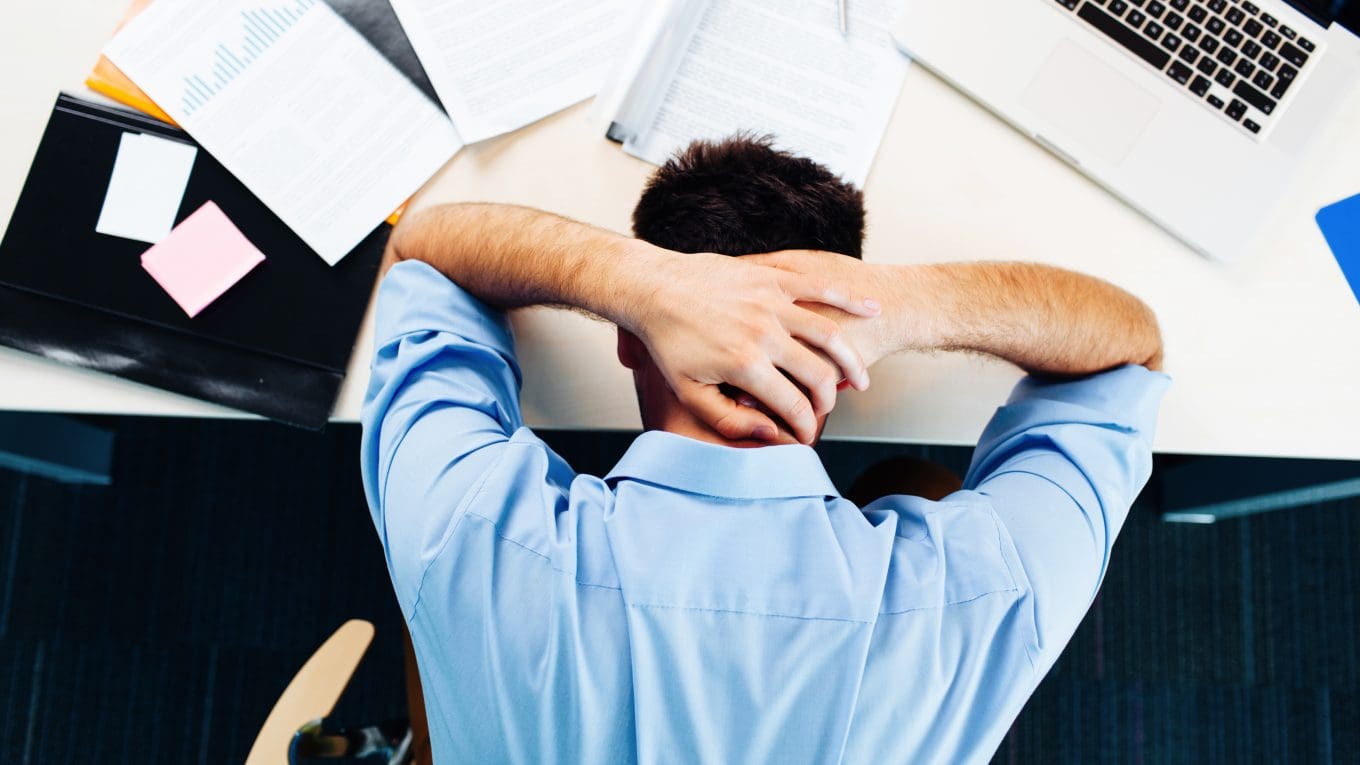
(201, 259)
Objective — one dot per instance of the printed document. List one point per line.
(710, 68)
(296, 104)
(499, 65)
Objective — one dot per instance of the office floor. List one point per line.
(158, 619)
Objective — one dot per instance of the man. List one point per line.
(713, 599)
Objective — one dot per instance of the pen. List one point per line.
(843, 30)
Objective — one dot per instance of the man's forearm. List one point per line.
(510, 257)
(1045, 320)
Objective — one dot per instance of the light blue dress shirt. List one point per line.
(703, 604)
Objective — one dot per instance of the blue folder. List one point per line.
(1340, 224)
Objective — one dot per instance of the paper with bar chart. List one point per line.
(295, 103)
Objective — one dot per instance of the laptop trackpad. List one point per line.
(1085, 99)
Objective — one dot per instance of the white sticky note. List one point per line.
(149, 178)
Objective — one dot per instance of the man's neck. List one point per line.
(679, 421)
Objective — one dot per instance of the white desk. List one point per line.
(1266, 352)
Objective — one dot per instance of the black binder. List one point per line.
(277, 344)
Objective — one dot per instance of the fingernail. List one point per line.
(872, 304)
(746, 401)
(842, 385)
(764, 433)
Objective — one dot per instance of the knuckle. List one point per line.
(748, 361)
(799, 408)
(831, 331)
(827, 377)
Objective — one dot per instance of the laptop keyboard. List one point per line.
(1229, 55)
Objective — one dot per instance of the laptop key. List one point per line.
(1179, 72)
(1307, 44)
(1171, 42)
(1268, 61)
(1244, 68)
(1207, 66)
(1173, 21)
(1070, 4)
(1117, 7)
(1148, 51)
(1226, 56)
(1215, 102)
(1208, 44)
(1288, 33)
(1253, 28)
(1269, 20)
(1250, 8)
(1217, 6)
(1250, 49)
(1190, 33)
(1236, 17)
(1270, 40)
(1286, 78)
(1152, 31)
(1224, 77)
(1155, 9)
(1188, 54)
(1263, 103)
(1236, 109)
(1180, 5)
(1293, 55)
(1233, 38)
(1263, 80)
(1200, 86)
(1198, 13)
(1215, 26)
(1135, 19)
(1252, 126)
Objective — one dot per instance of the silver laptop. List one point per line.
(1195, 112)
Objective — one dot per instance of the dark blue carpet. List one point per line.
(158, 619)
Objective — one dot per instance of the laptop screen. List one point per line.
(1344, 12)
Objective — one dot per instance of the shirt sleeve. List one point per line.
(1062, 463)
(441, 406)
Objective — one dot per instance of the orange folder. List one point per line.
(110, 80)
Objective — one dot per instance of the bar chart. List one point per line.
(260, 29)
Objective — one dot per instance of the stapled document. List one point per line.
(147, 187)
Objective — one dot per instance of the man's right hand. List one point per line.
(712, 319)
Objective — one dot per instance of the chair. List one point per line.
(297, 730)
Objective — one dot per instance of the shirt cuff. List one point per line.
(414, 297)
(1130, 395)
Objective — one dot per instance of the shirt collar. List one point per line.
(766, 472)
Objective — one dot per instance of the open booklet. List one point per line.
(710, 68)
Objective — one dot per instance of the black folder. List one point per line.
(277, 344)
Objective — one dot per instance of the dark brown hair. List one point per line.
(741, 195)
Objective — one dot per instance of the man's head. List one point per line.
(739, 196)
